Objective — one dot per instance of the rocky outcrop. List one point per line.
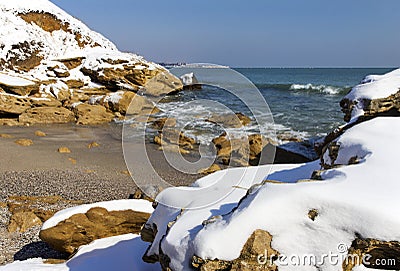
(256, 255)
(240, 151)
(46, 115)
(173, 140)
(92, 114)
(213, 168)
(22, 221)
(41, 69)
(128, 103)
(374, 254)
(27, 212)
(82, 229)
(12, 105)
(160, 123)
(389, 106)
(236, 120)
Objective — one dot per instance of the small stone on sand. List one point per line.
(72, 160)
(93, 145)
(64, 150)
(24, 142)
(6, 136)
(40, 134)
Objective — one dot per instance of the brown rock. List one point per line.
(40, 134)
(6, 136)
(72, 160)
(64, 150)
(24, 56)
(92, 114)
(93, 145)
(257, 245)
(129, 103)
(22, 221)
(22, 90)
(9, 122)
(389, 106)
(24, 142)
(313, 213)
(160, 123)
(45, 102)
(213, 168)
(71, 63)
(81, 229)
(239, 151)
(381, 254)
(74, 84)
(172, 140)
(13, 105)
(163, 83)
(47, 115)
(236, 120)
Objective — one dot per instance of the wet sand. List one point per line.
(88, 174)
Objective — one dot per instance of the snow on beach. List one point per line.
(114, 253)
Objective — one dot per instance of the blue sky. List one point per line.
(259, 33)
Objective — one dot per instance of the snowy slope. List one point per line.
(55, 44)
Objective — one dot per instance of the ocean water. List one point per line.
(283, 104)
(303, 102)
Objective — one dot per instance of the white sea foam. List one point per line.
(331, 90)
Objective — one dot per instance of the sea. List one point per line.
(297, 103)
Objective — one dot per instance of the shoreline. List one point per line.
(86, 175)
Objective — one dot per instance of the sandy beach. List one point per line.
(84, 175)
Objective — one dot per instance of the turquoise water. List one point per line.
(304, 102)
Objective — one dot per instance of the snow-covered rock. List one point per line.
(71, 228)
(46, 53)
(355, 200)
(375, 95)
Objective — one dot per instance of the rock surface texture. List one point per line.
(81, 229)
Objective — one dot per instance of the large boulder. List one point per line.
(162, 84)
(128, 103)
(173, 140)
(47, 115)
(240, 151)
(377, 254)
(82, 229)
(87, 114)
(17, 85)
(236, 120)
(365, 102)
(10, 104)
(256, 255)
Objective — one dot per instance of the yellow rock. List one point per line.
(72, 160)
(40, 134)
(22, 221)
(64, 150)
(93, 145)
(213, 168)
(6, 136)
(24, 142)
